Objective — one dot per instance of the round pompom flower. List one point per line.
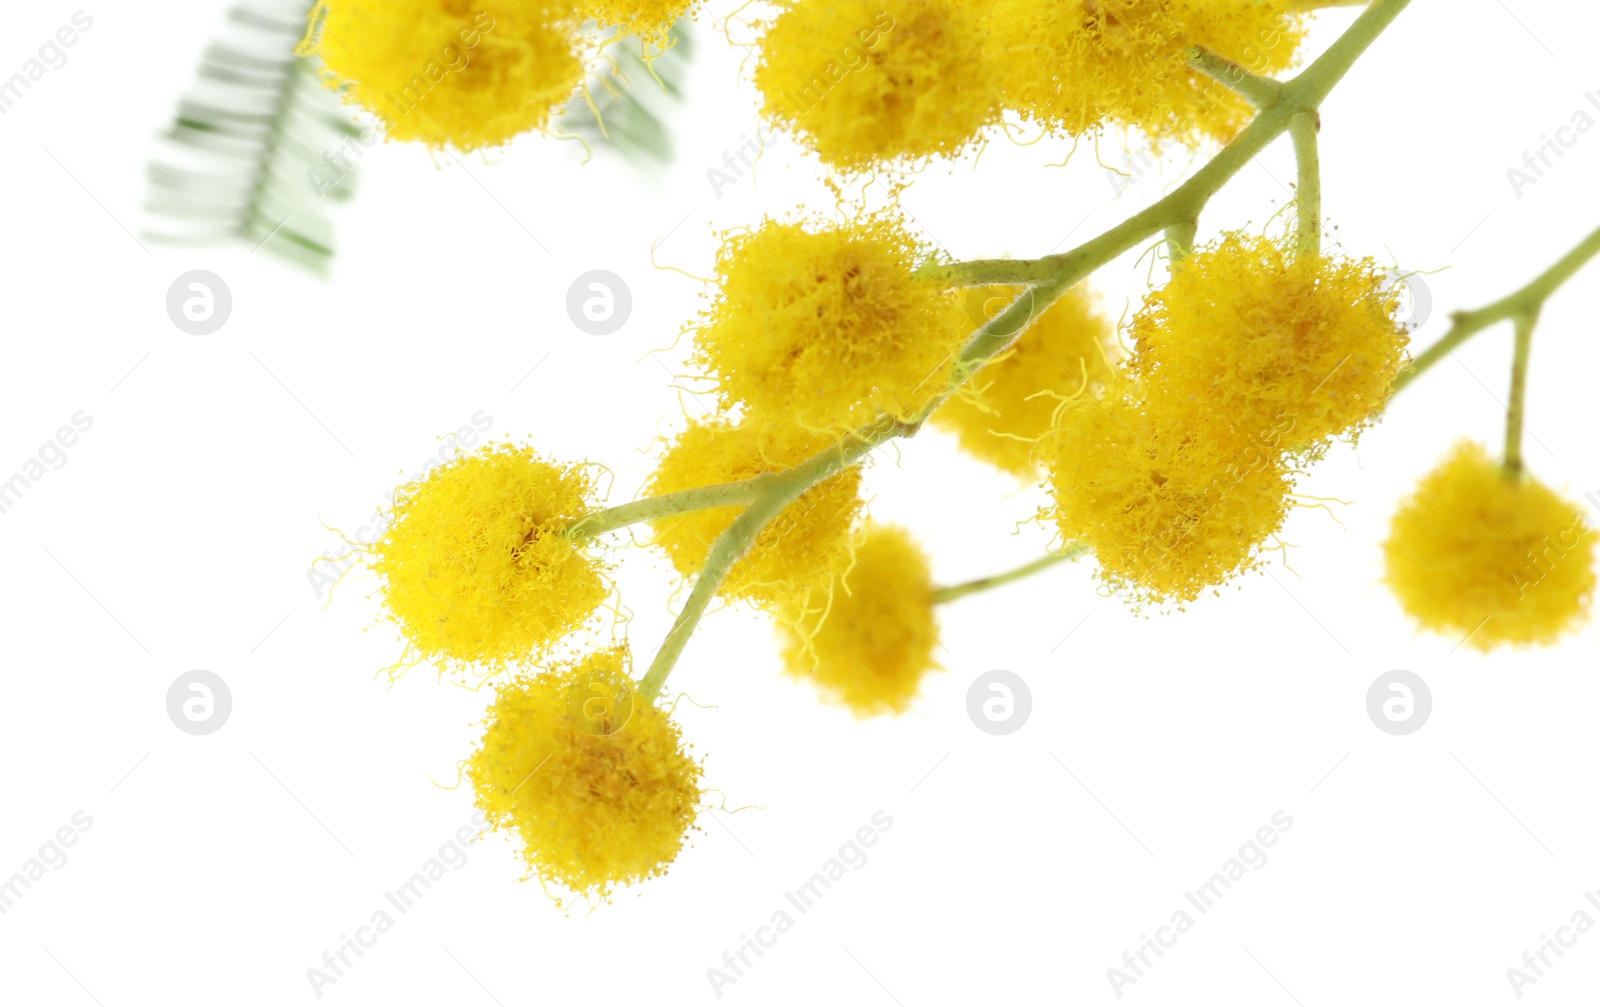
(476, 564)
(803, 545)
(863, 84)
(598, 784)
(1007, 406)
(447, 72)
(869, 641)
(1170, 510)
(1495, 558)
(1073, 66)
(1304, 345)
(825, 326)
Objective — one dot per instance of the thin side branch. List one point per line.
(1527, 301)
(954, 591)
(744, 491)
(1258, 91)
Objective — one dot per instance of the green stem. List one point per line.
(997, 334)
(954, 591)
(1259, 91)
(1308, 196)
(744, 491)
(781, 489)
(1519, 392)
(1527, 301)
(989, 272)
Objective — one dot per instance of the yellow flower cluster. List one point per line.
(1491, 557)
(825, 326)
(600, 788)
(476, 565)
(803, 545)
(1003, 411)
(1244, 365)
(478, 568)
(862, 83)
(464, 74)
(865, 84)
(868, 640)
(1075, 66)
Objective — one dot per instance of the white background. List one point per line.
(178, 536)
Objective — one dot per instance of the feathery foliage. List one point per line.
(258, 150)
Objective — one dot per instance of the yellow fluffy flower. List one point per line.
(1305, 346)
(1074, 65)
(803, 545)
(598, 785)
(650, 20)
(825, 326)
(1169, 509)
(475, 562)
(863, 82)
(452, 72)
(1004, 409)
(868, 642)
(1502, 558)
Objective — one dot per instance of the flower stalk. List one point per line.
(1308, 194)
(1180, 239)
(1519, 392)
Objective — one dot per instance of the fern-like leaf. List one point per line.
(254, 152)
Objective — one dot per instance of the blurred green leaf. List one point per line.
(634, 105)
(258, 151)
